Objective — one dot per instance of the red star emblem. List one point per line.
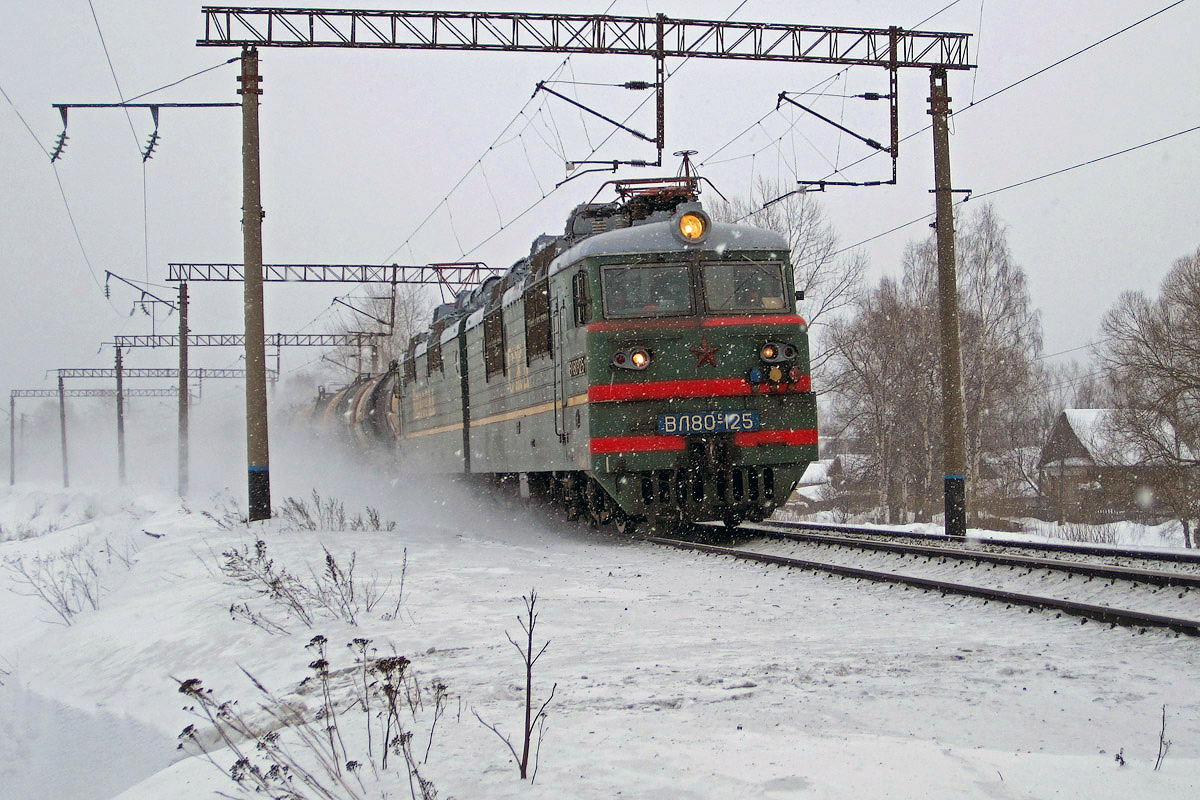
(705, 353)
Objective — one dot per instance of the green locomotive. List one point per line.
(647, 365)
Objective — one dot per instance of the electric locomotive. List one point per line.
(647, 365)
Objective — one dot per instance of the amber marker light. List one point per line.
(692, 226)
(640, 358)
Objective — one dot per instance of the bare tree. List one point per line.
(888, 371)
(395, 312)
(883, 395)
(1151, 354)
(1003, 335)
(831, 284)
(532, 720)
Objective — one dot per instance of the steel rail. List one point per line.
(1052, 547)
(1113, 616)
(1155, 577)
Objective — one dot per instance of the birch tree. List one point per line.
(1151, 354)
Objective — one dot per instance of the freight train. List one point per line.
(647, 366)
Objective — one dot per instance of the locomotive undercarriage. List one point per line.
(706, 484)
(664, 498)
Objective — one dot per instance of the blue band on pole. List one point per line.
(956, 477)
(260, 469)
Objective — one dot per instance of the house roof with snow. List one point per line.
(817, 472)
(1092, 437)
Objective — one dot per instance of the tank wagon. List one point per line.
(647, 365)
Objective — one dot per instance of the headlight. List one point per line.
(693, 226)
(637, 358)
(777, 352)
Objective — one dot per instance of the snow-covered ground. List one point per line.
(677, 675)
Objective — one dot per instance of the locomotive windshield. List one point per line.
(644, 291)
(744, 286)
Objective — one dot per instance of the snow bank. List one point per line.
(677, 675)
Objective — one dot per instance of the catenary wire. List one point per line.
(938, 13)
(471, 169)
(1025, 182)
(181, 80)
(594, 150)
(62, 192)
(1004, 89)
(978, 50)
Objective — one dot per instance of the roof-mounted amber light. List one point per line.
(693, 226)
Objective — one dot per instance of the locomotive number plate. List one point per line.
(708, 422)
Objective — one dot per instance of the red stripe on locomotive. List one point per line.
(795, 437)
(603, 445)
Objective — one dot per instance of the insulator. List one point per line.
(637, 85)
(151, 144)
(59, 146)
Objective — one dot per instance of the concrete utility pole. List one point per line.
(184, 399)
(120, 419)
(62, 424)
(953, 403)
(257, 450)
(12, 440)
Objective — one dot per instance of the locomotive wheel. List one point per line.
(599, 508)
(569, 497)
(731, 520)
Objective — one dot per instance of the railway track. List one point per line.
(1077, 551)
(1117, 594)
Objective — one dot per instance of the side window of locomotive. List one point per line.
(744, 286)
(537, 320)
(582, 298)
(646, 291)
(493, 343)
(435, 348)
(435, 359)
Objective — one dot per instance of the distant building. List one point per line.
(1091, 475)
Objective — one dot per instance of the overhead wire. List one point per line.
(1025, 182)
(112, 70)
(62, 192)
(978, 50)
(593, 151)
(939, 12)
(840, 74)
(1070, 350)
(421, 225)
(758, 123)
(1090, 161)
(21, 117)
(136, 142)
(226, 62)
(994, 94)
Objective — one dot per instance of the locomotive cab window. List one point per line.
(744, 286)
(647, 291)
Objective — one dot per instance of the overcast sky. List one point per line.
(358, 147)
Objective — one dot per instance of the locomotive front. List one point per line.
(698, 391)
